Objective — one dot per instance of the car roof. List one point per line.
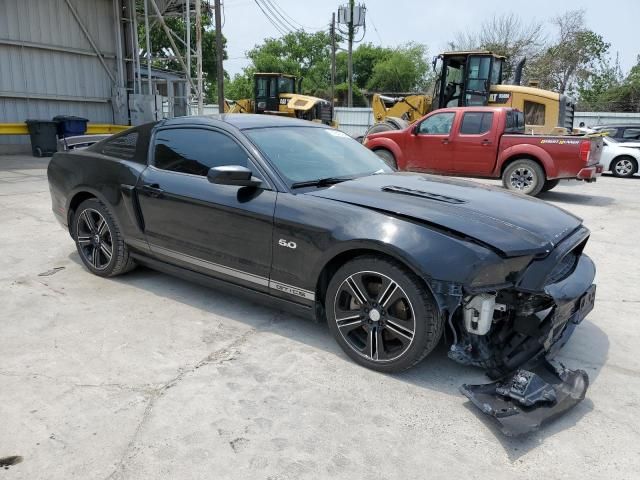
(242, 121)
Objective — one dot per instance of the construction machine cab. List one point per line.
(268, 87)
(465, 78)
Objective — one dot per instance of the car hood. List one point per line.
(509, 222)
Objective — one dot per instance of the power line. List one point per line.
(274, 17)
(277, 12)
(275, 24)
(376, 30)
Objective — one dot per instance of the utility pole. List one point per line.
(219, 55)
(350, 59)
(199, 54)
(333, 59)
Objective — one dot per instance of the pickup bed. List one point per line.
(489, 142)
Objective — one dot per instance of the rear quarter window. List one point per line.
(132, 144)
(476, 123)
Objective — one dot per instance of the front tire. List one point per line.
(388, 157)
(98, 239)
(524, 176)
(624, 167)
(381, 314)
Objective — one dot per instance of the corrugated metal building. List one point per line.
(48, 60)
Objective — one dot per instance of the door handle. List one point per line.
(152, 190)
(486, 142)
(445, 141)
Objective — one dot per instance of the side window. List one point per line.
(195, 151)
(121, 146)
(262, 87)
(632, 133)
(534, 113)
(132, 144)
(476, 123)
(438, 124)
(514, 122)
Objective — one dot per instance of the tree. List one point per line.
(404, 69)
(240, 86)
(299, 53)
(505, 35)
(165, 58)
(593, 89)
(575, 53)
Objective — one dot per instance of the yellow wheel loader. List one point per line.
(277, 94)
(475, 79)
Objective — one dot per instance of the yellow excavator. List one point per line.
(475, 79)
(277, 94)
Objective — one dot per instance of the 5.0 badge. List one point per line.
(283, 243)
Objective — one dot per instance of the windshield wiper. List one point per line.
(320, 182)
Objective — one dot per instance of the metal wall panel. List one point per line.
(353, 121)
(47, 65)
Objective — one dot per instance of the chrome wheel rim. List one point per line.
(374, 316)
(522, 178)
(94, 238)
(624, 167)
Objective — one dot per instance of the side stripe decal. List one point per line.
(232, 272)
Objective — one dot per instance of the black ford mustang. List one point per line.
(304, 217)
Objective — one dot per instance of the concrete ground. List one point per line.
(147, 376)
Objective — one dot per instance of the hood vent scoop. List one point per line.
(423, 194)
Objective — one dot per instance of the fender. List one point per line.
(526, 150)
(388, 144)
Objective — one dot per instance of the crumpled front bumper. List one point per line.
(539, 391)
(525, 401)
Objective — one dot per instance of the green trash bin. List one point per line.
(44, 142)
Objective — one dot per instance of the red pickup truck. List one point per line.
(489, 142)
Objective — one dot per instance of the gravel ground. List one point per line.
(147, 376)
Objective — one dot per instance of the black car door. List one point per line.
(221, 230)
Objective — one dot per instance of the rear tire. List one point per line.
(550, 185)
(524, 176)
(624, 167)
(388, 157)
(381, 314)
(98, 239)
(381, 127)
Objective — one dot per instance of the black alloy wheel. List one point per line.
(381, 314)
(374, 316)
(98, 239)
(94, 239)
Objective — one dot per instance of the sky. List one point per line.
(432, 22)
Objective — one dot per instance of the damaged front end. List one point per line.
(513, 332)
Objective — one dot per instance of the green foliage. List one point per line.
(404, 69)
(240, 86)
(161, 50)
(308, 55)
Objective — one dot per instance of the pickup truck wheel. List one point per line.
(524, 176)
(99, 242)
(624, 167)
(381, 314)
(388, 157)
(550, 185)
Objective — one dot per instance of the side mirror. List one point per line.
(415, 128)
(233, 175)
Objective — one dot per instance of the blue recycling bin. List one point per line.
(70, 126)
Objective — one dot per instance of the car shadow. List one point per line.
(587, 349)
(577, 198)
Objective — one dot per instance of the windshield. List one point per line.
(310, 153)
(286, 85)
